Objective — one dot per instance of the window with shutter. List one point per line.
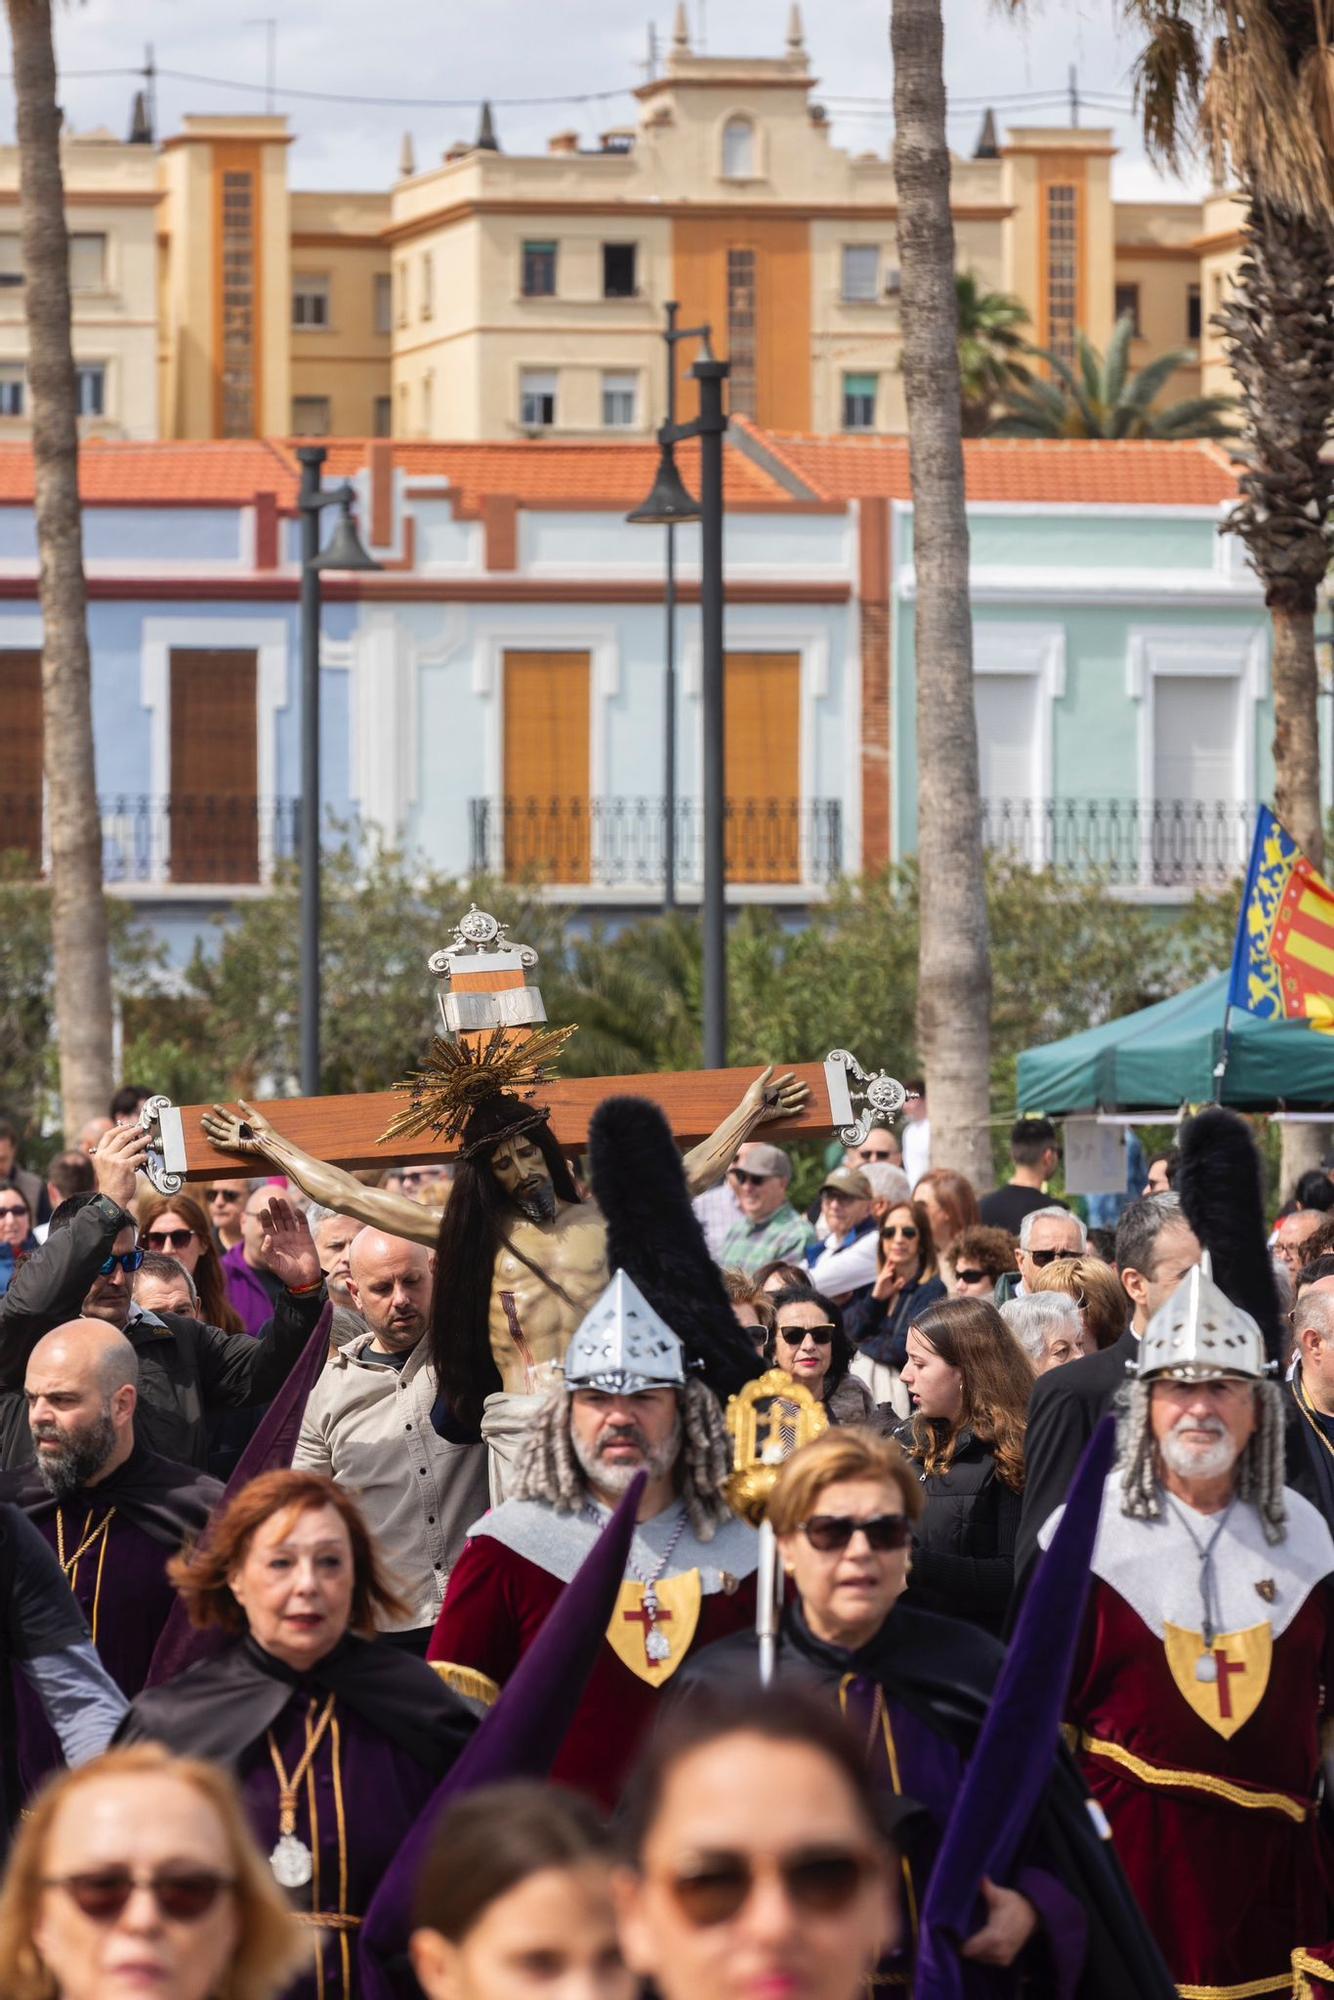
(546, 766)
(21, 756)
(762, 760)
(214, 767)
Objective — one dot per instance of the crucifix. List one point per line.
(654, 1655)
(523, 1249)
(1223, 1670)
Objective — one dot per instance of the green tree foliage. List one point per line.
(1101, 398)
(993, 350)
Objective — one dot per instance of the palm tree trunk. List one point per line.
(78, 910)
(1296, 735)
(954, 966)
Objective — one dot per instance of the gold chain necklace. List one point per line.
(90, 1537)
(292, 1862)
(1304, 1406)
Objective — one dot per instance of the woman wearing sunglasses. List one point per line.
(337, 1742)
(809, 1344)
(136, 1876)
(907, 1281)
(969, 1381)
(756, 1867)
(978, 1258)
(176, 1226)
(513, 1901)
(16, 1238)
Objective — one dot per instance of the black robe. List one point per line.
(936, 1676)
(152, 1507)
(396, 1730)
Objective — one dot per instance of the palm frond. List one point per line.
(1196, 417)
(1117, 363)
(1168, 80)
(1153, 377)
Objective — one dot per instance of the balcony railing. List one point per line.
(1144, 843)
(194, 842)
(618, 843)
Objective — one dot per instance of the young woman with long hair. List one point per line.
(969, 1381)
(175, 1226)
(950, 1200)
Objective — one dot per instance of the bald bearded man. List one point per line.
(375, 1422)
(113, 1511)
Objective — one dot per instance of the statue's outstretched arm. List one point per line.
(767, 1098)
(248, 1131)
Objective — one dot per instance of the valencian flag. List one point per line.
(1283, 961)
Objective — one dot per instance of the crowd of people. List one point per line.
(298, 1468)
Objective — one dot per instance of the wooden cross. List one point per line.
(485, 978)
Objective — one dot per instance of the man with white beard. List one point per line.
(1200, 1685)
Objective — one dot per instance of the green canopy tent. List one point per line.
(1165, 1055)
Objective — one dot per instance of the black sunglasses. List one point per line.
(903, 1229)
(822, 1334)
(748, 1179)
(13, 1208)
(129, 1260)
(1044, 1257)
(973, 1277)
(867, 1153)
(184, 1895)
(818, 1881)
(178, 1239)
(225, 1194)
(828, 1533)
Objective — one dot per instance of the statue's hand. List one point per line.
(243, 1131)
(771, 1097)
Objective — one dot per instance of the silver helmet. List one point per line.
(1200, 1336)
(623, 1347)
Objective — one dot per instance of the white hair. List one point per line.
(1060, 1215)
(1038, 1315)
(888, 1182)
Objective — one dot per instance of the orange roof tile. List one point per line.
(1138, 472)
(543, 471)
(226, 473)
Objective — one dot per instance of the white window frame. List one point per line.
(13, 375)
(528, 375)
(859, 252)
(735, 121)
(315, 287)
(855, 374)
(620, 382)
(382, 302)
(82, 368)
(327, 401)
(426, 307)
(1215, 652)
(1002, 648)
(91, 236)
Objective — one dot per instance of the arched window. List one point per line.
(738, 150)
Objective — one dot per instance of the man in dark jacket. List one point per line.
(187, 1371)
(1155, 1247)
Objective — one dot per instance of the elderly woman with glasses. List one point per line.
(135, 1875)
(914, 1687)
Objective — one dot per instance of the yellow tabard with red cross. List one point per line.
(656, 1660)
(1235, 1673)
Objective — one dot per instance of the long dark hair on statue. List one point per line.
(476, 1215)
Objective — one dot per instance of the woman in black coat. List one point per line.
(969, 1381)
(907, 1282)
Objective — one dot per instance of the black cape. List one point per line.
(170, 1502)
(943, 1671)
(220, 1707)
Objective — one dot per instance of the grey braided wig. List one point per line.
(1259, 1469)
(549, 1471)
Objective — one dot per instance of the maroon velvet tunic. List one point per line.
(493, 1609)
(1219, 1835)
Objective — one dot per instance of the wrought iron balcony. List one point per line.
(194, 841)
(618, 843)
(1141, 843)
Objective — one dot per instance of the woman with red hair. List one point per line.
(336, 1740)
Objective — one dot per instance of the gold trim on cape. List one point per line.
(1197, 1781)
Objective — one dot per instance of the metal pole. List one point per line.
(712, 423)
(312, 457)
(669, 685)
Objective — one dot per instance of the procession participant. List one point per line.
(626, 1405)
(915, 1687)
(1201, 1686)
(756, 1862)
(189, 1371)
(525, 1254)
(337, 1741)
(514, 1901)
(113, 1511)
(368, 1424)
(138, 1875)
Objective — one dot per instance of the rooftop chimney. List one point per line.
(563, 142)
(487, 141)
(988, 145)
(141, 125)
(407, 158)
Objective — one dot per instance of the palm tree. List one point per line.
(954, 963)
(992, 349)
(78, 912)
(1102, 399)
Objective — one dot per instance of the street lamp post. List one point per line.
(669, 502)
(345, 551)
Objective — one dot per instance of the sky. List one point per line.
(571, 52)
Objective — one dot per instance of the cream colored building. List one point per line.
(497, 295)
